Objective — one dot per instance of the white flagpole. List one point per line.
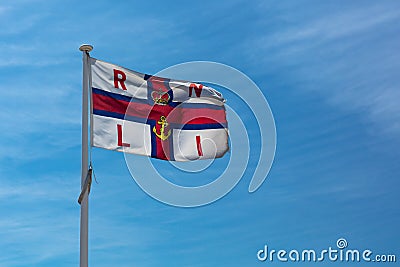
(85, 151)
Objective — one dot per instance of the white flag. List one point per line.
(157, 117)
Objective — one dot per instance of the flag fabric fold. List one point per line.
(156, 117)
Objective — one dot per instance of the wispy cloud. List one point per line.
(50, 188)
(349, 56)
(34, 224)
(45, 116)
(3, 10)
(328, 27)
(15, 62)
(39, 237)
(16, 26)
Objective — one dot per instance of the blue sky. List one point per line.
(329, 70)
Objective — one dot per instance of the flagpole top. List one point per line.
(86, 48)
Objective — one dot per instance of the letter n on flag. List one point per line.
(156, 117)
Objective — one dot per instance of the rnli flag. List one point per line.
(156, 117)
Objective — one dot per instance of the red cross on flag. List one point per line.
(156, 117)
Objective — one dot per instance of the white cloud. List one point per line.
(350, 57)
(3, 10)
(32, 237)
(14, 26)
(38, 125)
(339, 25)
(39, 215)
(22, 61)
(39, 189)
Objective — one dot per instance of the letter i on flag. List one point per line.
(156, 117)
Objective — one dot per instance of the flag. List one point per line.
(156, 117)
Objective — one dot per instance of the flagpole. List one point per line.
(85, 151)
